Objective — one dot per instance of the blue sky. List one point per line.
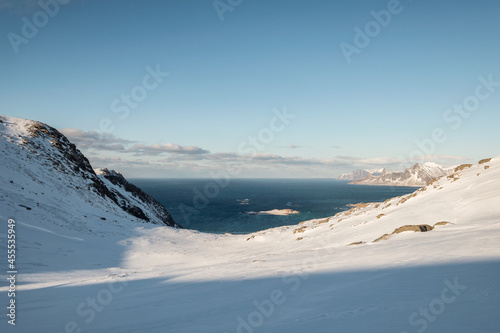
(227, 79)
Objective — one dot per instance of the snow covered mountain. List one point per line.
(417, 175)
(361, 174)
(43, 173)
(427, 262)
(355, 175)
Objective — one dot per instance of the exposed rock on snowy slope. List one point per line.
(130, 198)
(417, 175)
(41, 169)
(468, 197)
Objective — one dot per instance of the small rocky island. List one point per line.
(279, 212)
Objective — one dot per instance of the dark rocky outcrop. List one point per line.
(415, 228)
(65, 158)
(157, 208)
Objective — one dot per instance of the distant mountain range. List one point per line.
(417, 175)
(361, 174)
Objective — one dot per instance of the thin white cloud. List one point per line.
(158, 149)
(260, 164)
(93, 140)
(270, 159)
(433, 158)
(292, 147)
(383, 161)
(185, 160)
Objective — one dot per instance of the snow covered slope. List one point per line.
(470, 193)
(362, 270)
(43, 173)
(417, 175)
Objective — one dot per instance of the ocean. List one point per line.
(204, 205)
